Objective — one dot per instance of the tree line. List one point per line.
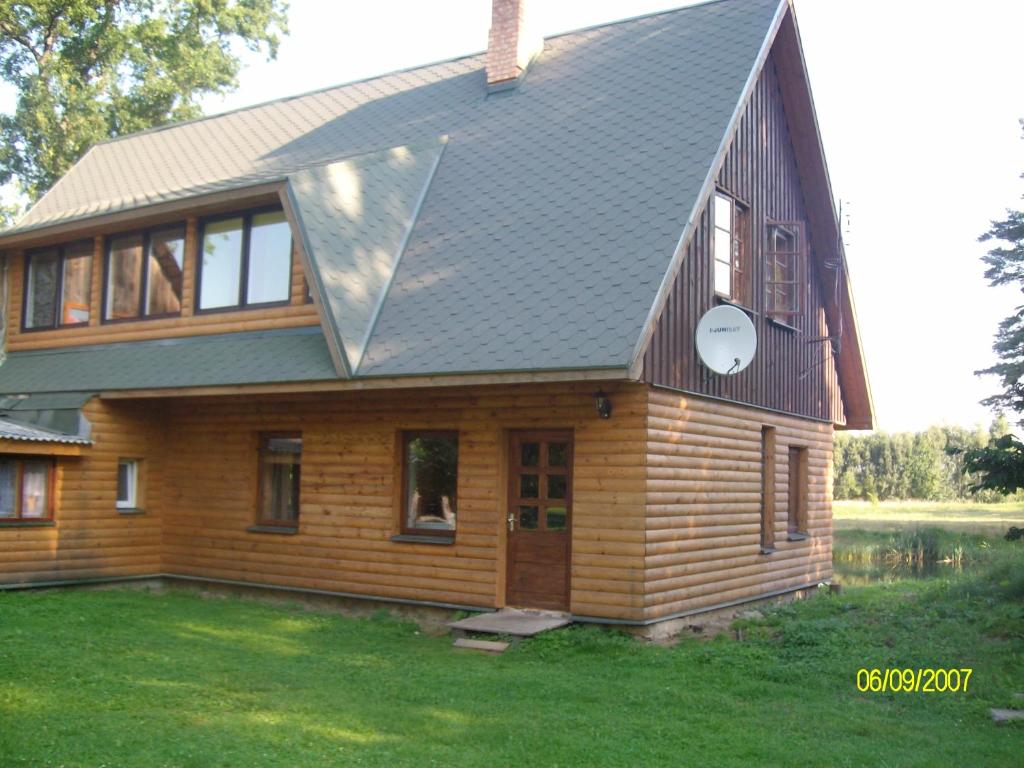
(927, 465)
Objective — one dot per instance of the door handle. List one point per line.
(511, 521)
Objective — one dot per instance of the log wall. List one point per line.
(704, 483)
(350, 493)
(296, 313)
(91, 538)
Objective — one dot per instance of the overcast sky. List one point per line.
(918, 102)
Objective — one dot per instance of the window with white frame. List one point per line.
(127, 483)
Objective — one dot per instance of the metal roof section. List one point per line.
(354, 218)
(12, 430)
(262, 357)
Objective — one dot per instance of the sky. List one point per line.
(918, 102)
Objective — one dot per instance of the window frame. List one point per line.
(767, 529)
(61, 250)
(51, 485)
(797, 491)
(246, 216)
(798, 282)
(740, 272)
(262, 523)
(132, 503)
(144, 287)
(405, 437)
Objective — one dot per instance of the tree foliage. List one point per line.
(1005, 266)
(933, 465)
(86, 70)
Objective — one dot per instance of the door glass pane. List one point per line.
(41, 297)
(556, 518)
(74, 306)
(34, 489)
(124, 277)
(558, 454)
(166, 262)
(221, 264)
(528, 486)
(8, 493)
(528, 518)
(270, 259)
(432, 479)
(530, 454)
(556, 486)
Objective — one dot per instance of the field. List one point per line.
(956, 516)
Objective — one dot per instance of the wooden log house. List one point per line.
(429, 338)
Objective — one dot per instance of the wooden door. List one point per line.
(539, 519)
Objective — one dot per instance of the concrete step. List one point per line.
(490, 646)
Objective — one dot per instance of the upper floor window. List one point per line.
(730, 248)
(57, 286)
(784, 269)
(144, 274)
(245, 260)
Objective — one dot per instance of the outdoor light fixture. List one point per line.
(604, 405)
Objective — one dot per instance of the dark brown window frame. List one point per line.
(405, 437)
(797, 492)
(767, 535)
(246, 216)
(262, 523)
(61, 249)
(798, 279)
(51, 485)
(740, 264)
(144, 288)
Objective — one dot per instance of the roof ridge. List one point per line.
(391, 73)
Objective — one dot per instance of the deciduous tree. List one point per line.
(86, 70)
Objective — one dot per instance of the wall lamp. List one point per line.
(603, 404)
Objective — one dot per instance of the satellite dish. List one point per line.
(726, 339)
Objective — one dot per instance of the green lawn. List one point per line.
(958, 516)
(128, 678)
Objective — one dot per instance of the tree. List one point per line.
(1005, 266)
(86, 70)
(1000, 464)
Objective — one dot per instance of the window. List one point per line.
(58, 283)
(797, 492)
(246, 260)
(144, 274)
(430, 478)
(729, 245)
(784, 271)
(25, 492)
(767, 490)
(127, 484)
(280, 474)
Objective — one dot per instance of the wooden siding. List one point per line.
(704, 504)
(789, 372)
(350, 493)
(91, 539)
(297, 313)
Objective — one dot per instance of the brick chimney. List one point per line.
(511, 44)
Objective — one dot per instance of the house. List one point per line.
(429, 338)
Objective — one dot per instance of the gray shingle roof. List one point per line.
(354, 217)
(262, 357)
(548, 225)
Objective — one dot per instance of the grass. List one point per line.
(128, 678)
(971, 517)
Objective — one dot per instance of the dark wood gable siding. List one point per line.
(789, 373)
